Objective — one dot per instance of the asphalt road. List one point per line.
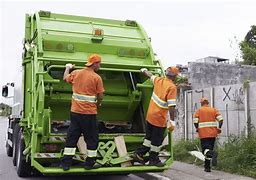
(8, 171)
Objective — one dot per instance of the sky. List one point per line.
(181, 30)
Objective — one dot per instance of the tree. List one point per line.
(248, 47)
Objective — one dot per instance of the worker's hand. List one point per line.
(197, 130)
(171, 125)
(98, 105)
(70, 66)
(143, 69)
(219, 131)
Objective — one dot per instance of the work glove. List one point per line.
(143, 69)
(219, 131)
(69, 65)
(171, 125)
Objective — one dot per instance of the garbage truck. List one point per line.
(36, 133)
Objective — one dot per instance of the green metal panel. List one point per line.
(51, 41)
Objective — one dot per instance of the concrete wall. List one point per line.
(180, 114)
(236, 103)
(252, 104)
(204, 75)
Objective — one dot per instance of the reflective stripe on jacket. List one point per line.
(207, 119)
(84, 98)
(161, 103)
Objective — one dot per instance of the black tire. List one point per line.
(23, 168)
(9, 149)
(14, 142)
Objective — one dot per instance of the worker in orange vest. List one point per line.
(163, 101)
(87, 95)
(208, 122)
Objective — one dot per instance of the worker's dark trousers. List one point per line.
(155, 135)
(207, 143)
(86, 124)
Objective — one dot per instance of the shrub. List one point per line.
(237, 155)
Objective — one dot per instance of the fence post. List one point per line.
(212, 97)
(247, 109)
(226, 112)
(186, 116)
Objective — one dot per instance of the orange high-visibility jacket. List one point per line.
(208, 119)
(163, 97)
(86, 84)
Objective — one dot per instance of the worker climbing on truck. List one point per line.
(163, 100)
(87, 95)
(208, 122)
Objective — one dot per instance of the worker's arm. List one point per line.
(99, 90)
(220, 124)
(67, 70)
(196, 120)
(219, 119)
(170, 121)
(148, 74)
(171, 103)
(196, 126)
(172, 112)
(99, 99)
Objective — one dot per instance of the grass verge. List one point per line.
(237, 155)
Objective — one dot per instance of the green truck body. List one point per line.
(37, 138)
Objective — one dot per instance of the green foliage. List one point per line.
(246, 84)
(237, 155)
(248, 47)
(182, 148)
(5, 110)
(181, 79)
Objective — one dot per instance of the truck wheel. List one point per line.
(9, 136)
(23, 167)
(9, 149)
(14, 142)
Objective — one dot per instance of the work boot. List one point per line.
(154, 160)
(65, 163)
(90, 166)
(207, 169)
(213, 155)
(157, 163)
(138, 158)
(214, 158)
(65, 167)
(146, 159)
(90, 163)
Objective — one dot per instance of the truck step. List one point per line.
(57, 156)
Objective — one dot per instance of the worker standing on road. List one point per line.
(87, 95)
(163, 100)
(208, 122)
